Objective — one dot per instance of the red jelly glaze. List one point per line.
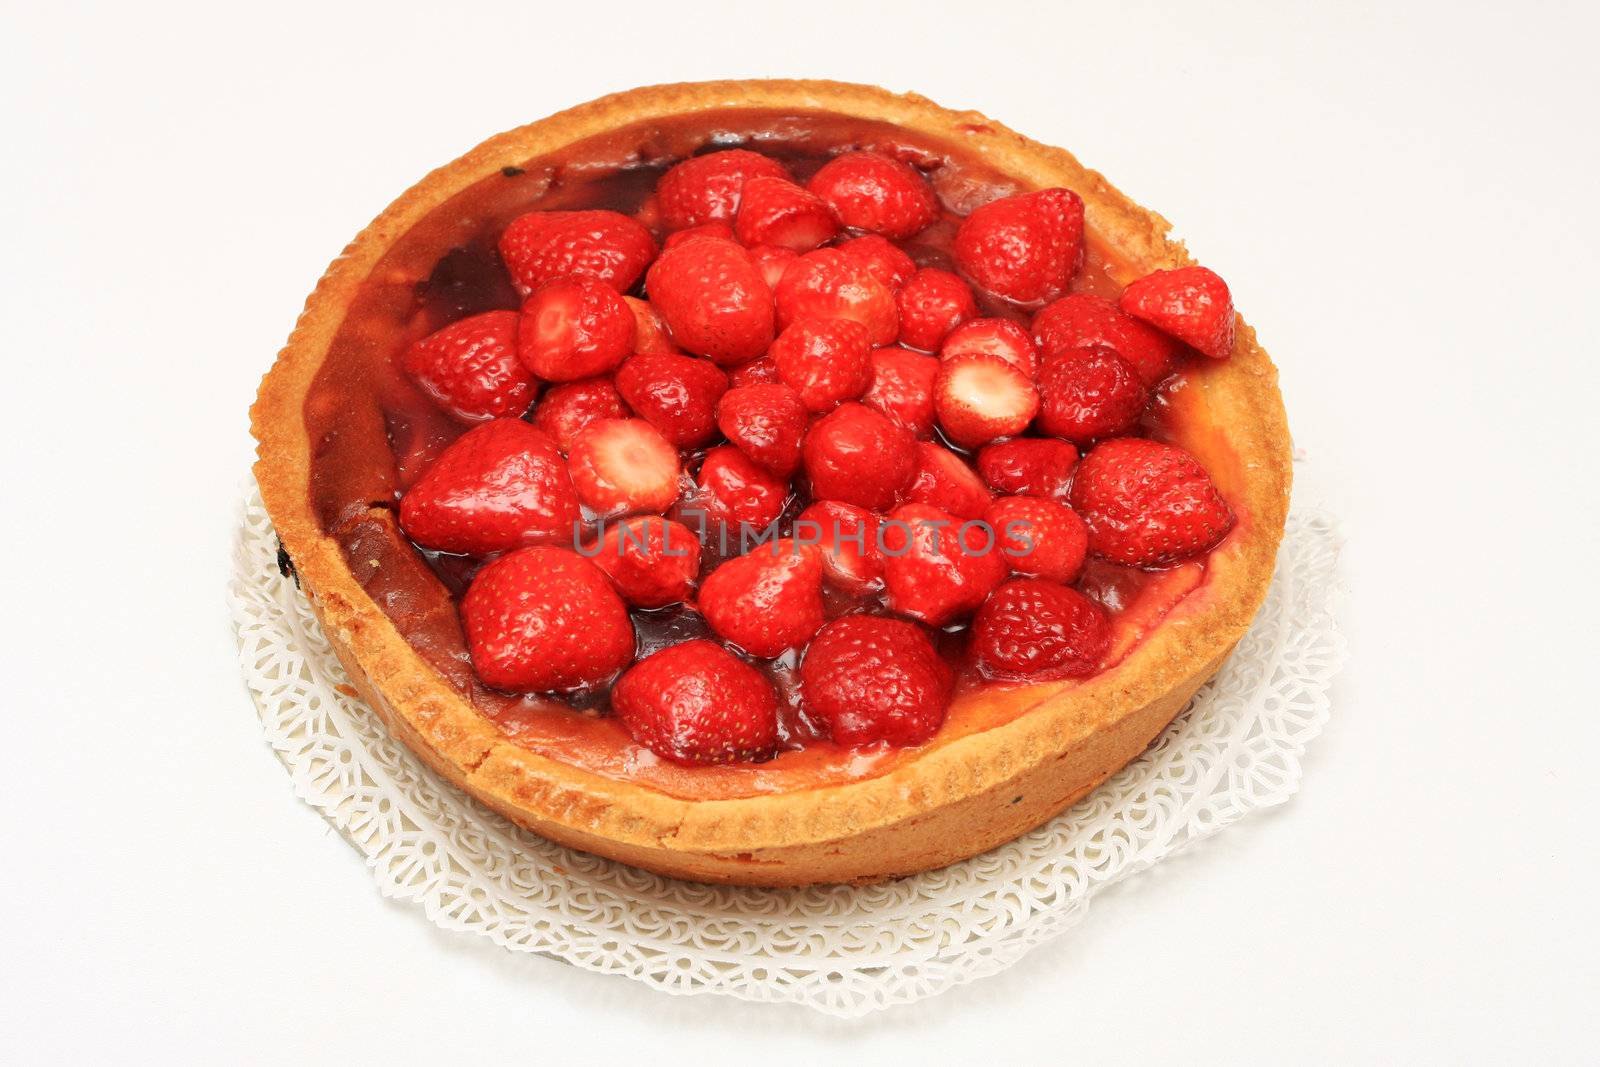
(373, 431)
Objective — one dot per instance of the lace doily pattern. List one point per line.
(842, 951)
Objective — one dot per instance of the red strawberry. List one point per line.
(697, 703)
(884, 260)
(848, 537)
(825, 361)
(574, 328)
(1080, 319)
(1089, 393)
(569, 407)
(832, 284)
(542, 246)
(936, 566)
(497, 486)
(650, 333)
(980, 397)
(707, 188)
(714, 299)
(902, 388)
(1148, 504)
(944, 480)
(756, 372)
(545, 620)
(858, 456)
(995, 337)
(772, 261)
(653, 561)
(869, 191)
(1025, 247)
(734, 490)
(776, 211)
(1029, 466)
(873, 679)
(1039, 537)
(676, 394)
(624, 466)
(1191, 303)
(932, 303)
(1036, 629)
(471, 370)
(768, 601)
(766, 423)
(721, 230)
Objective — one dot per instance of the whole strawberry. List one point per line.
(766, 423)
(932, 303)
(574, 328)
(902, 388)
(832, 284)
(567, 408)
(870, 191)
(707, 188)
(545, 620)
(1148, 504)
(734, 490)
(1191, 303)
(1036, 629)
(776, 211)
(542, 246)
(1025, 247)
(872, 680)
(714, 299)
(754, 372)
(825, 361)
(624, 467)
(1029, 466)
(848, 537)
(1090, 393)
(944, 480)
(1039, 537)
(653, 561)
(498, 486)
(767, 601)
(697, 703)
(855, 455)
(884, 260)
(719, 229)
(938, 568)
(471, 370)
(1080, 319)
(980, 397)
(676, 394)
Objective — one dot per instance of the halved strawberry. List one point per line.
(870, 191)
(1036, 629)
(650, 333)
(885, 260)
(979, 397)
(995, 337)
(1191, 303)
(652, 560)
(471, 370)
(767, 601)
(944, 480)
(498, 486)
(776, 211)
(545, 620)
(938, 567)
(848, 538)
(569, 407)
(1090, 393)
(1147, 503)
(766, 423)
(676, 394)
(707, 188)
(1029, 466)
(932, 303)
(1039, 537)
(825, 361)
(697, 703)
(574, 328)
(873, 680)
(832, 284)
(714, 299)
(902, 388)
(624, 466)
(856, 455)
(542, 246)
(733, 490)
(1080, 319)
(772, 261)
(1024, 247)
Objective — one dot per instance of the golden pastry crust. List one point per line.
(950, 802)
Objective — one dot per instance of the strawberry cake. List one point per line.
(774, 482)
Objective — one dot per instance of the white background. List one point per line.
(1403, 199)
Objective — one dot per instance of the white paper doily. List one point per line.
(843, 951)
